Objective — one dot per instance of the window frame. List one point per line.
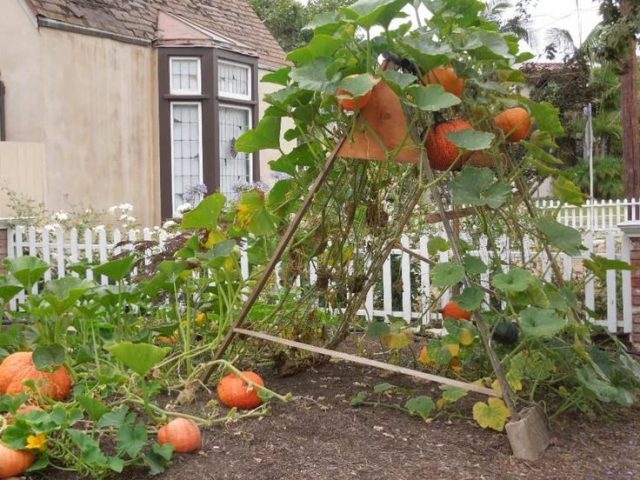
(185, 92)
(210, 101)
(231, 96)
(200, 148)
(248, 109)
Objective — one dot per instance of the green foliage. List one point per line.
(608, 177)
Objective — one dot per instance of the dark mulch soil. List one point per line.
(318, 435)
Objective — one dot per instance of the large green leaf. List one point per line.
(546, 115)
(27, 270)
(487, 45)
(493, 414)
(321, 45)
(63, 293)
(206, 213)
(541, 322)
(422, 406)
(567, 239)
(368, 13)
(48, 357)
(471, 298)
(437, 244)
(313, 76)
(426, 51)
(8, 288)
(118, 269)
(471, 139)
(478, 186)
(265, 135)
(139, 357)
(398, 80)
(132, 439)
(358, 85)
(568, 192)
(431, 98)
(474, 265)
(253, 215)
(599, 265)
(446, 274)
(516, 280)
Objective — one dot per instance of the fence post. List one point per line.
(631, 231)
(4, 244)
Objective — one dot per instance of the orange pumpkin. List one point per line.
(442, 152)
(14, 462)
(453, 310)
(19, 367)
(350, 103)
(447, 77)
(515, 123)
(182, 433)
(233, 391)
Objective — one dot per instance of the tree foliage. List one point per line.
(287, 19)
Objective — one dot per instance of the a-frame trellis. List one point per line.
(385, 132)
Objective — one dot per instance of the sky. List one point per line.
(563, 14)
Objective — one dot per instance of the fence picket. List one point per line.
(627, 312)
(612, 314)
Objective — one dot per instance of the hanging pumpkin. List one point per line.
(350, 103)
(453, 310)
(14, 462)
(182, 433)
(233, 391)
(447, 77)
(515, 123)
(19, 367)
(442, 152)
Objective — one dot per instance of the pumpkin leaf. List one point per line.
(205, 215)
(478, 186)
(48, 357)
(568, 192)
(132, 439)
(431, 98)
(94, 408)
(118, 269)
(368, 13)
(437, 244)
(8, 289)
(546, 115)
(312, 76)
(358, 399)
(158, 458)
(566, 239)
(27, 270)
(358, 85)
(139, 357)
(446, 274)
(541, 322)
(63, 293)
(599, 265)
(421, 406)
(398, 80)
(321, 45)
(397, 340)
(493, 414)
(265, 135)
(383, 387)
(378, 329)
(452, 394)
(252, 213)
(471, 139)
(470, 299)
(516, 280)
(474, 265)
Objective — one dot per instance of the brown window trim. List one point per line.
(210, 101)
(3, 131)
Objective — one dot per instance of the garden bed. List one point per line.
(318, 435)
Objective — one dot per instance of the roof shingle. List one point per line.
(234, 19)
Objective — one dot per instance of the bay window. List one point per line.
(208, 98)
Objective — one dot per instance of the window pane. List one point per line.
(185, 75)
(233, 80)
(235, 167)
(186, 152)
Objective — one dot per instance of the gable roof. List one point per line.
(138, 20)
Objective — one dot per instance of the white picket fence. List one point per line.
(601, 215)
(62, 249)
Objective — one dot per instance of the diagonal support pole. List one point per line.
(275, 258)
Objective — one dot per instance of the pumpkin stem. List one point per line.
(3, 424)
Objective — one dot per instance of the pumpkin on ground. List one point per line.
(442, 152)
(515, 123)
(14, 462)
(19, 367)
(447, 77)
(453, 310)
(233, 391)
(182, 433)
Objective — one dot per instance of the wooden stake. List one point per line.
(371, 363)
(275, 258)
